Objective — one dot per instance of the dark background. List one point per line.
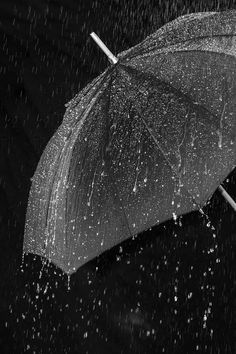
(150, 298)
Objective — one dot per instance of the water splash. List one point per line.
(68, 282)
(209, 272)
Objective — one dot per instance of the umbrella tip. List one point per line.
(111, 57)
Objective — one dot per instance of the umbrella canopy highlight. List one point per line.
(151, 138)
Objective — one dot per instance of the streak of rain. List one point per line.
(168, 289)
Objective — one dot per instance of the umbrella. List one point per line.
(151, 138)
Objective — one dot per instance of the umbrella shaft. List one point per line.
(227, 197)
(104, 48)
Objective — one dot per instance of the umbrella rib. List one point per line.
(189, 51)
(180, 94)
(172, 168)
(111, 178)
(176, 91)
(102, 79)
(148, 50)
(157, 144)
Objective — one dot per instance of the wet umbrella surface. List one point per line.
(169, 290)
(149, 139)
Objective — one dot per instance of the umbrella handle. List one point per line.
(104, 48)
(227, 197)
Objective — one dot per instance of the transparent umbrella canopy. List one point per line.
(151, 138)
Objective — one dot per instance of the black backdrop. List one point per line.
(152, 298)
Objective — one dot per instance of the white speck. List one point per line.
(174, 216)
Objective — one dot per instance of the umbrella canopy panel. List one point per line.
(150, 138)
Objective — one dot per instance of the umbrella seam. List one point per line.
(85, 115)
(55, 174)
(108, 170)
(190, 102)
(174, 44)
(178, 92)
(187, 51)
(172, 168)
